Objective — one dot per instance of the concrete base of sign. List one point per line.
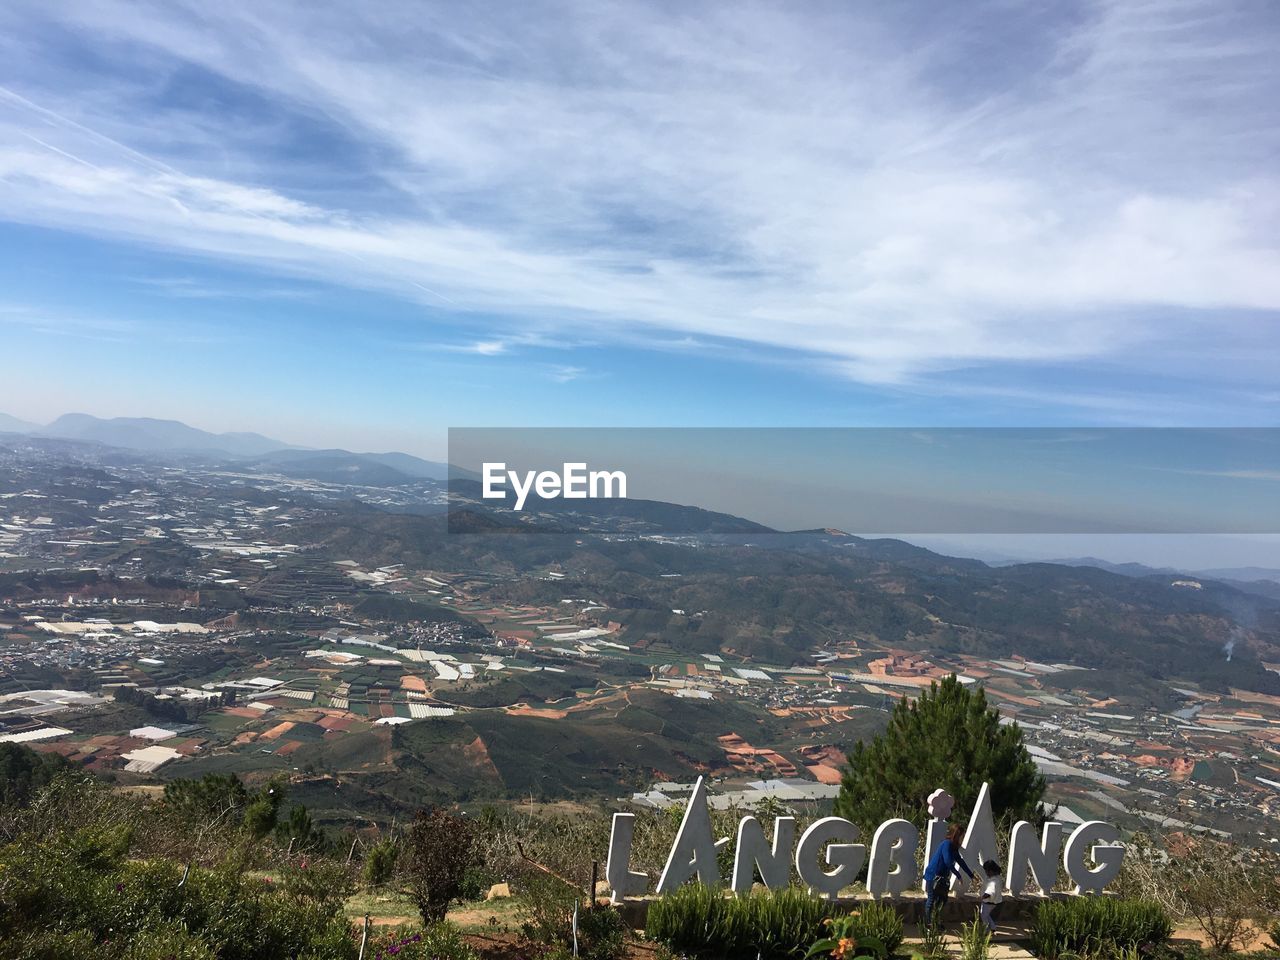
(910, 906)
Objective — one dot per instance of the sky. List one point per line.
(360, 224)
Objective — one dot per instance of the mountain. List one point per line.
(145, 433)
(616, 515)
(1242, 573)
(412, 466)
(10, 424)
(264, 453)
(342, 466)
(1124, 569)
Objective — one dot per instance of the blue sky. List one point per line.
(359, 224)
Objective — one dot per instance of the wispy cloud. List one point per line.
(191, 288)
(563, 373)
(893, 196)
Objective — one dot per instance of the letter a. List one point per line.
(694, 850)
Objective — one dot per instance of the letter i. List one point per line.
(939, 806)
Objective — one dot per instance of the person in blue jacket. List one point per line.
(945, 862)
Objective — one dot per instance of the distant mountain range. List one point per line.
(145, 433)
(257, 452)
(263, 453)
(10, 424)
(1233, 574)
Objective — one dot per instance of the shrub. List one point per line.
(545, 907)
(476, 883)
(380, 862)
(975, 941)
(932, 940)
(842, 941)
(1222, 892)
(439, 849)
(1220, 887)
(73, 894)
(602, 933)
(440, 941)
(775, 924)
(326, 881)
(1092, 924)
(880, 922)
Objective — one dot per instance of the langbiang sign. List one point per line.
(828, 856)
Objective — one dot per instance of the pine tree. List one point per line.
(950, 738)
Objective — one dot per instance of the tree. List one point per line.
(23, 772)
(1228, 892)
(213, 796)
(299, 828)
(438, 850)
(224, 799)
(950, 738)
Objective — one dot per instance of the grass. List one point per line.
(391, 907)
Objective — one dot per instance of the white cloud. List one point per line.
(874, 196)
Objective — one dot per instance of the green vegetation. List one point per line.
(699, 921)
(975, 941)
(546, 907)
(223, 798)
(439, 850)
(843, 940)
(76, 894)
(950, 738)
(380, 862)
(873, 930)
(534, 687)
(1214, 885)
(881, 922)
(440, 941)
(1079, 925)
(23, 772)
(485, 755)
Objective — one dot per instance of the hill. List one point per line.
(146, 433)
(10, 424)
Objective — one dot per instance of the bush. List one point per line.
(975, 941)
(326, 881)
(704, 922)
(880, 922)
(602, 933)
(545, 907)
(74, 894)
(843, 941)
(380, 863)
(1222, 888)
(439, 849)
(476, 883)
(440, 941)
(1094, 924)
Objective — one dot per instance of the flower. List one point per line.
(844, 947)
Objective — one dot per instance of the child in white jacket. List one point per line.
(992, 893)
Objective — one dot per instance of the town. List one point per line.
(159, 621)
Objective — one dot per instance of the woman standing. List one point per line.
(945, 863)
